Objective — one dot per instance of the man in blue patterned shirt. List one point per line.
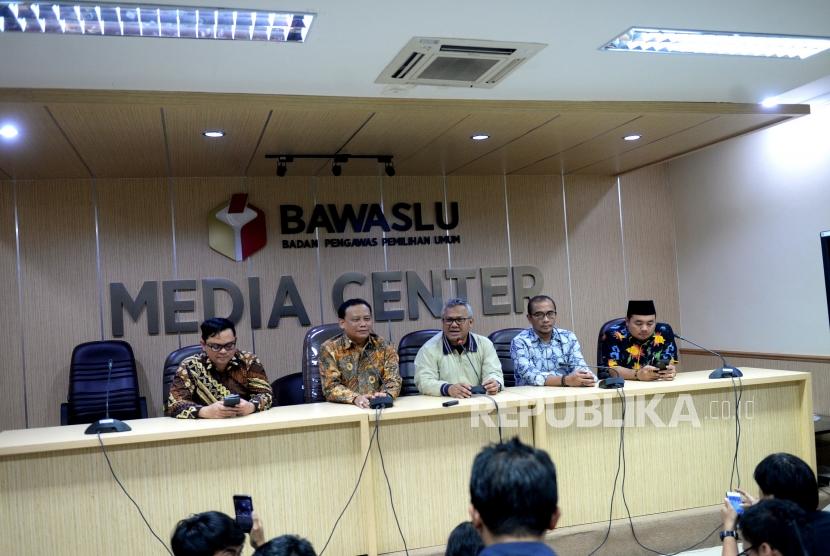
(544, 355)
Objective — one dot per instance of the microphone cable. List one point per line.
(357, 484)
(118, 481)
(488, 396)
(388, 484)
(738, 389)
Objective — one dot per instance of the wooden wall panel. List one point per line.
(60, 294)
(483, 231)
(537, 238)
(649, 241)
(136, 245)
(596, 257)
(421, 259)
(193, 200)
(280, 348)
(12, 411)
(335, 261)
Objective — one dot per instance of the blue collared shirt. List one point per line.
(535, 360)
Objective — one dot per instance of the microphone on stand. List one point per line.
(107, 424)
(726, 371)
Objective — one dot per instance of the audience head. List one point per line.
(286, 545)
(356, 319)
(788, 477)
(773, 527)
(641, 318)
(513, 492)
(457, 320)
(464, 541)
(541, 314)
(207, 534)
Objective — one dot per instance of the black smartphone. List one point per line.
(663, 364)
(243, 506)
(231, 400)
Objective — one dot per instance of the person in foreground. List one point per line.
(358, 365)
(544, 355)
(784, 476)
(202, 381)
(213, 534)
(635, 348)
(771, 527)
(286, 545)
(454, 360)
(513, 499)
(464, 540)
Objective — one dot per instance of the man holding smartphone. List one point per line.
(639, 348)
(220, 382)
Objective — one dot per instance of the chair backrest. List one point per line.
(407, 350)
(86, 401)
(171, 364)
(501, 340)
(601, 337)
(288, 389)
(314, 338)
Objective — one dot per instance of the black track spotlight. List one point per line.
(281, 169)
(390, 170)
(282, 163)
(336, 169)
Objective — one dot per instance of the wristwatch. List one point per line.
(724, 534)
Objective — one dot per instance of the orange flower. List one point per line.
(612, 363)
(659, 339)
(618, 335)
(635, 351)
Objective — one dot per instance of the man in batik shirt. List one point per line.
(202, 381)
(635, 347)
(358, 365)
(544, 355)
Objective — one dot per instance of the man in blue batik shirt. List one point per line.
(544, 355)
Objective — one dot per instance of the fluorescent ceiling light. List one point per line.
(632, 137)
(213, 133)
(132, 20)
(479, 137)
(675, 41)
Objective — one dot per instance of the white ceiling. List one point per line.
(351, 42)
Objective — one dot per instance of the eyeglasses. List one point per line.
(746, 552)
(539, 315)
(458, 320)
(230, 346)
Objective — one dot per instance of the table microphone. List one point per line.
(614, 382)
(107, 424)
(726, 371)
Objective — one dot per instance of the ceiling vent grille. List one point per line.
(456, 62)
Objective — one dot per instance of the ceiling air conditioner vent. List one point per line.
(456, 62)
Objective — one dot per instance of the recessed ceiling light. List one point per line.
(213, 133)
(632, 137)
(769, 102)
(479, 137)
(146, 20)
(681, 41)
(8, 131)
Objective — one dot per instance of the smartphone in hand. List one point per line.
(735, 499)
(243, 506)
(231, 400)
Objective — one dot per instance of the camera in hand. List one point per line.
(231, 400)
(381, 402)
(243, 506)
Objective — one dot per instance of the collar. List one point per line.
(469, 345)
(235, 361)
(347, 342)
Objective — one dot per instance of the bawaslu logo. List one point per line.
(237, 229)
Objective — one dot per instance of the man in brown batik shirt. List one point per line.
(358, 365)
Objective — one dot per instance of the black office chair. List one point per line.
(88, 384)
(171, 364)
(603, 332)
(407, 350)
(314, 338)
(288, 390)
(501, 340)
